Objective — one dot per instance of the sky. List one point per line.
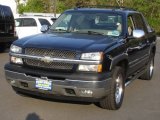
(10, 3)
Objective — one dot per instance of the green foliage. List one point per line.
(32, 6)
(150, 8)
(21, 8)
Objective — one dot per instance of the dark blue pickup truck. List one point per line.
(88, 54)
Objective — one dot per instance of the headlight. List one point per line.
(90, 68)
(16, 60)
(92, 56)
(15, 49)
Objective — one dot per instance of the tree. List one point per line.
(17, 4)
(21, 8)
(150, 8)
(34, 6)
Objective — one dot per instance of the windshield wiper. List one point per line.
(60, 30)
(90, 32)
(95, 33)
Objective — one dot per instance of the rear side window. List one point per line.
(18, 22)
(6, 13)
(6, 21)
(44, 22)
(29, 22)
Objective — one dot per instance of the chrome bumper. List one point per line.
(67, 87)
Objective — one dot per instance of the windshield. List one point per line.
(109, 24)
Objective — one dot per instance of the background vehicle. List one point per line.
(7, 27)
(88, 54)
(30, 25)
(53, 19)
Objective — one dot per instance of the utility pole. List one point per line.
(53, 6)
(17, 4)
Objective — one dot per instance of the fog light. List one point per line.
(13, 82)
(87, 92)
(16, 60)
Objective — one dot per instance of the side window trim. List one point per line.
(148, 27)
(131, 19)
(131, 27)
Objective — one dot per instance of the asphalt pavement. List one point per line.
(141, 102)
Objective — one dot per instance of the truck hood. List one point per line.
(67, 41)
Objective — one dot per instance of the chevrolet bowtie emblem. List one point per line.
(46, 59)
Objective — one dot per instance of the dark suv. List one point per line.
(88, 54)
(7, 27)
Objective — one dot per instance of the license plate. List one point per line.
(43, 84)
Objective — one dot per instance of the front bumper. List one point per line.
(92, 89)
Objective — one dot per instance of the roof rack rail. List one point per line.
(104, 6)
(39, 14)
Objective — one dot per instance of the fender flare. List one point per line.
(152, 46)
(115, 60)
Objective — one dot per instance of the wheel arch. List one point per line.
(153, 50)
(122, 61)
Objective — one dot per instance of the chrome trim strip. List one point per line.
(140, 59)
(49, 59)
(87, 81)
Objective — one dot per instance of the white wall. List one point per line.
(10, 3)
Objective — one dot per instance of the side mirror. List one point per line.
(138, 33)
(44, 28)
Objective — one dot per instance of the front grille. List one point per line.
(51, 53)
(52, 65)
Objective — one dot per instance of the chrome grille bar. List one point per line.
(50, 59)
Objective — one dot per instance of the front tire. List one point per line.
(114, 99)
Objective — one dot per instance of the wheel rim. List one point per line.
(119, 89)
(151, 68)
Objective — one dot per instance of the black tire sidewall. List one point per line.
(148, 69)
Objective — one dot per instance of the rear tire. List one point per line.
(114, 99)
(150, 69)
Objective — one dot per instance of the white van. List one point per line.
(30, 25)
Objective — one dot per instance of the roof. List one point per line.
(122, 10)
